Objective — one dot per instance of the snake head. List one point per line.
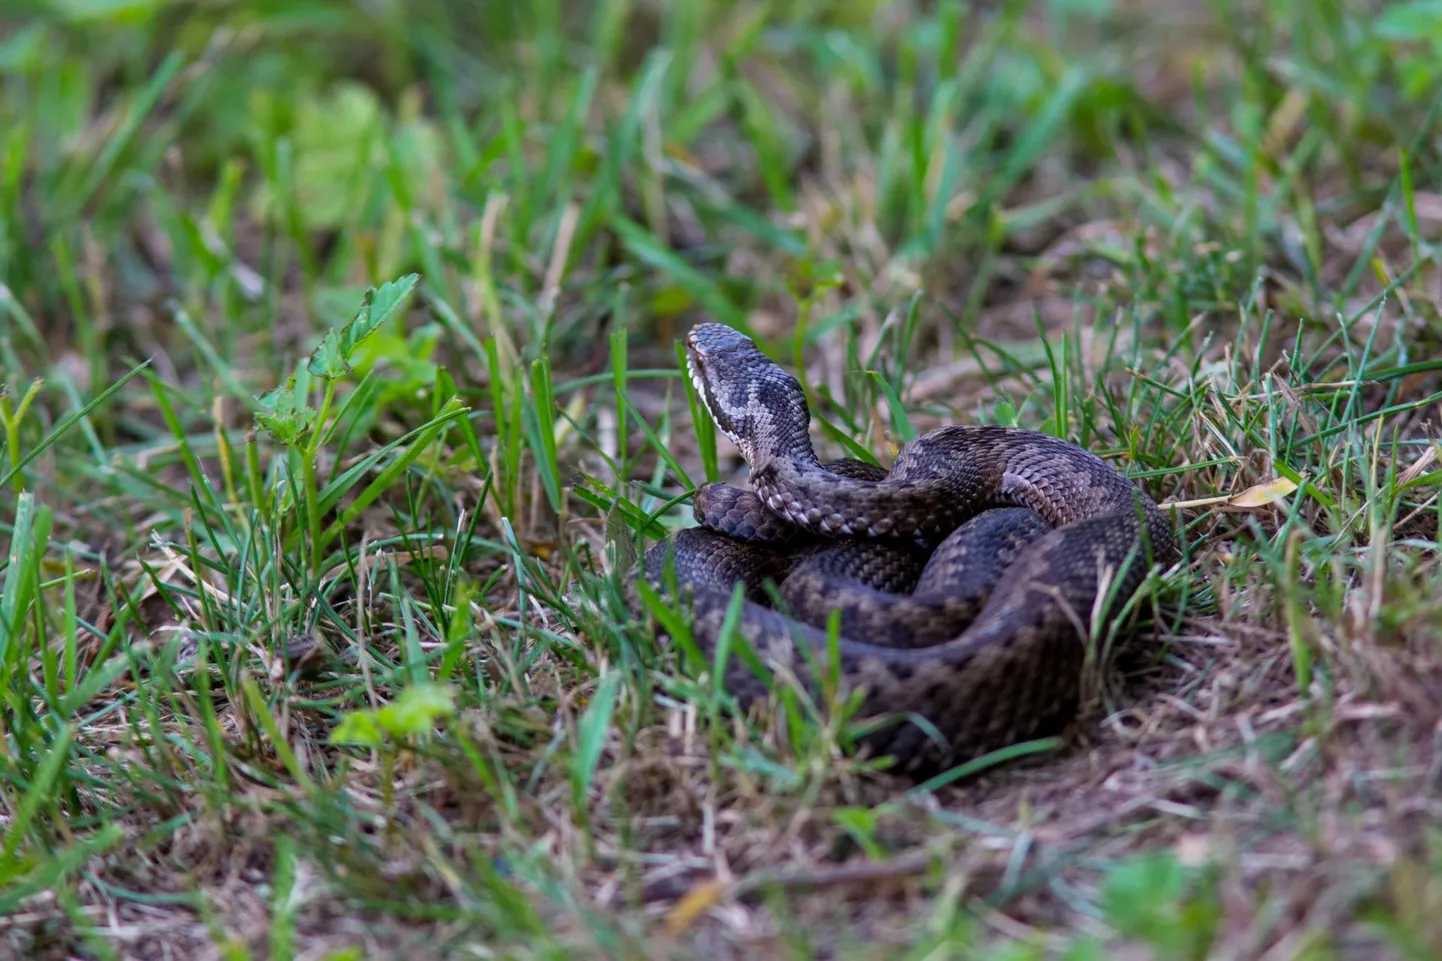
(755, 403)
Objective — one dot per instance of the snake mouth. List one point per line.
(696, 367)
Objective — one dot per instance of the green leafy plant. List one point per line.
(286, 412)
(1157, 900)
(388, 730)
(411, 716)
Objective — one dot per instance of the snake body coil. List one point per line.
(967, 576)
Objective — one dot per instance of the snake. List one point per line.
(956, 592)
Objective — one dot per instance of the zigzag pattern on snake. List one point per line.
(967, 576)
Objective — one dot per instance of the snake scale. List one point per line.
(966, 577)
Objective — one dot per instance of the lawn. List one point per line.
(341, 380)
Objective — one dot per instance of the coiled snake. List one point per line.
(967, 577)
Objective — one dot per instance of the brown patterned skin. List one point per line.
(968, 576)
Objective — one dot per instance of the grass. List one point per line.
(339, 346)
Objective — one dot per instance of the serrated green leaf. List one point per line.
(331, 358)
